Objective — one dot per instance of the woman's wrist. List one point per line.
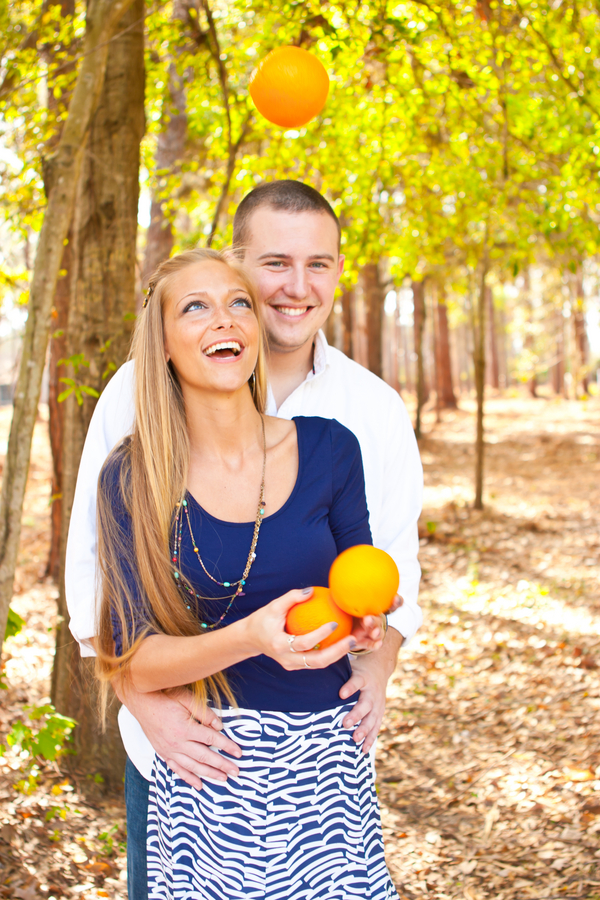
(244, 636)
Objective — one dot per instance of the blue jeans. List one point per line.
(136, 802)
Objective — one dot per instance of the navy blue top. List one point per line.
(325, 514)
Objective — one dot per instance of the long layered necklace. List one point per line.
(238, 586)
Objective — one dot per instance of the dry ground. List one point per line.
(489, 760)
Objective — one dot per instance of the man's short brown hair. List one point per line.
(285, 195)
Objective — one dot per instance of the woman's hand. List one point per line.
(265, 631)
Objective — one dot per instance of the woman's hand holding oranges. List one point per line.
(317, 626)
(265, 632)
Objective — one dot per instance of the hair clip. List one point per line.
(148, 296)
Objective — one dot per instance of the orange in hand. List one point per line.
(289, 87)
(363, 580)
(320, 609)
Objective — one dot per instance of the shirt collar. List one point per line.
(321, 360)
(321, 356)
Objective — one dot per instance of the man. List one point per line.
(289, 238)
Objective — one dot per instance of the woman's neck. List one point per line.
(221, 425)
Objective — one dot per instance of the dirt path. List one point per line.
(489, 767)
(489, 761)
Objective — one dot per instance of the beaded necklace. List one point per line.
(183, 510)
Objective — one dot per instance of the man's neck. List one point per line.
(288, 369)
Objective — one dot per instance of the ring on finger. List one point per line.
(291, 639)
(306, 664)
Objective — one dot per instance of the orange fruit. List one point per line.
(289, 87)
(363, 580)
(317, 611)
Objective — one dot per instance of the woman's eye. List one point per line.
(242, 301)
(195, 304)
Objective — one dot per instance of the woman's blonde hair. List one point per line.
(146, 477)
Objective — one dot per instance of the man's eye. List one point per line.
(242, 301)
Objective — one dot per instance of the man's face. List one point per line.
(296, 265)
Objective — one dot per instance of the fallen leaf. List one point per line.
(575, 773)
(99, 867)
(468, 866)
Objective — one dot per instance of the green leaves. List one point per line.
(14, 624)
(48, 741)
(74, 386)
(78, 389)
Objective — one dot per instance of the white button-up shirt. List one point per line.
(336, 388)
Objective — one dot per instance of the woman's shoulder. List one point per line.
(116, 467)
(319, 429)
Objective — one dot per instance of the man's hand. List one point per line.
(182, 741)
(370, 675)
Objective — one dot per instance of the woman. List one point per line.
(214, 520)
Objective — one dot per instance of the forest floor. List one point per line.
(488, 765)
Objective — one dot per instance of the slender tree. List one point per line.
(443, 364)
(580, 332)
(373, 293)
(494, 363)
(60, 312)
(170, 148)
(347, 321)
(418, 289)
(63, 170)
(479, 366)
(101, 312)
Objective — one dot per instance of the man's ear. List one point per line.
(341, 261)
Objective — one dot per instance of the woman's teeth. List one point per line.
(225, 345)
(292, 310)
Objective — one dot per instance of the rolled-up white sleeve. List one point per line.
(112, 420)
(396, 529)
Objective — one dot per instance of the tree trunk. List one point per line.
(169, 153)
(494, 365)
(558, 370)
(348, 322)
(443, 364)
(101, 312)
(58, 344)
(58, 352)
(63, 173)
(397, 347)
(373, 289)
(418, 289)
(529, 328)
(466, 334)
(580, 334)
(479, 365)
(407, 357)
(433, 292)
(505, 373)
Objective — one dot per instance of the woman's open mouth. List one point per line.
(224, 350)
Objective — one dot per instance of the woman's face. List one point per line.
(211, 331)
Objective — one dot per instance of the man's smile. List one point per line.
(292, 311)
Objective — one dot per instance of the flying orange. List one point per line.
(363, 580)
(317, 611)
(289, 87)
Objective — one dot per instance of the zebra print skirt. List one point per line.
(300, 822)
